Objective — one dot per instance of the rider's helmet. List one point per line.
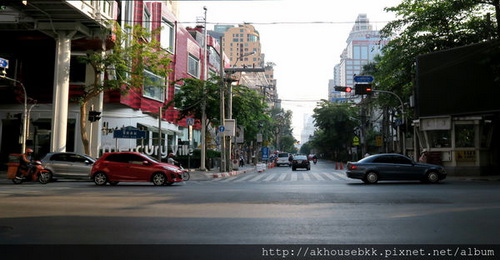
(29, 150)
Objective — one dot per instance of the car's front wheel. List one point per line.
(159, 179)
(100, 178)
(371, 178)
(432, 177)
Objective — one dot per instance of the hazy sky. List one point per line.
(303, 38)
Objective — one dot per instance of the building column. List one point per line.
(61, 91)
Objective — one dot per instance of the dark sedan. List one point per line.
(300, 161)
(394, 167)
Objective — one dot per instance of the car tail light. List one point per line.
(351, 167)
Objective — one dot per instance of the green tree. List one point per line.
(247, 108)
(335, 129)
(425, 26)
(128, 59)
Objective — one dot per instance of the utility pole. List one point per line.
(204, 101)
(222, 111)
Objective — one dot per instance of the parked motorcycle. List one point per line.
(37, 172)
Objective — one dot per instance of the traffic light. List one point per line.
(94, 116)
(363, 89)
(343, 89)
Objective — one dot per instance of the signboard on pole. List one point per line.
(4, 63)
(365, 79)
(129, 132)
(230, 125)
(265, 153)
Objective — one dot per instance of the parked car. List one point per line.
(282, 158)
(68, 165)
(394, 167)
(301, 161)
(118, 167)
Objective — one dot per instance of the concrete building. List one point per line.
(242, 46)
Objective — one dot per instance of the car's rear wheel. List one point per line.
(432, 177)
(371, 178)
(100, 178)
(159, 179)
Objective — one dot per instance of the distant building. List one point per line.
(242, 46)
(308, 129)
(363, 44)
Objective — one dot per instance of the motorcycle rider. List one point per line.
(25, 164)
(171, 159)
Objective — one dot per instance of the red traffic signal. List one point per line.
(363, 89)
(343, 89)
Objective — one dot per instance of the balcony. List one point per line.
(82, 16)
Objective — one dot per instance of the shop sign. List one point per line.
(465, 156)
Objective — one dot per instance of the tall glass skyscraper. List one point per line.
(363, 44)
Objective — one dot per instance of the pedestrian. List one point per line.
(242, 160)
(423, 157)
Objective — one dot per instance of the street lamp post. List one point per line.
(25, 112)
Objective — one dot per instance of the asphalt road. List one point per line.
(278, 206)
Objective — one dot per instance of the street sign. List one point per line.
(190, 121)
(221, 128)
(4, 63)
(129, 133)
(366, 79)
(355, 140)
(265, 153)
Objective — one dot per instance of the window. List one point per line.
(167, 36)
(194, 66)
(146, 20)
(464, 135)
(154, 86)
(77, 70)
(439, 138)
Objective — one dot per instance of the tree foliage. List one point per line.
(425, 26)
(336, 124)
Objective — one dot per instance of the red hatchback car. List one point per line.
(133, 167)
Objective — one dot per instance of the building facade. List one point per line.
(45, 40)
(363, 44)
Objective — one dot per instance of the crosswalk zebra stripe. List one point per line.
(244, 178)
(258, 177)
(318, 177)
(282, 177)
(270, 177)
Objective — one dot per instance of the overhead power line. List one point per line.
(286, 22)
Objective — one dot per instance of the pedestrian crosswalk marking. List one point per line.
(282, 177)
(295, 176)
(318, 177)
